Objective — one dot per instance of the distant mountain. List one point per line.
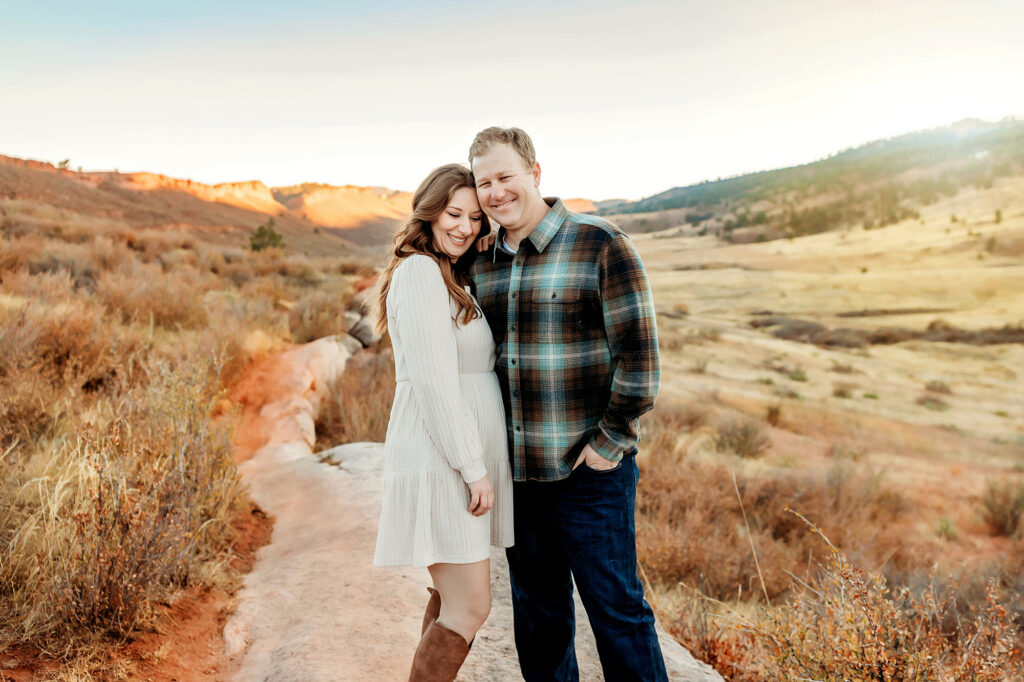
(315, 217)
(876, 184)
(368, 215)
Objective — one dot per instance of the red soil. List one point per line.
(189, 632)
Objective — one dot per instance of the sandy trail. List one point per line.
(314, 607)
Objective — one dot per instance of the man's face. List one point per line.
(507, 188)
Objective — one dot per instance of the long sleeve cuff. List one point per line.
(473, 471)
(607, 445)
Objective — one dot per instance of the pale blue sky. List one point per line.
(623, 100)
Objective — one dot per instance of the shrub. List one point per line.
(1003, 504)
(850, 625)
(946, 529)
(265, 237)
(701, 624)
(933, 402)
(843, 390)
(938, 386)
(125, 514)
(744, 438)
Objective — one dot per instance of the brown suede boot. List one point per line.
(433, 609)
(439, 655)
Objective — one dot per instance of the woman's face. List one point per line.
(458, 225)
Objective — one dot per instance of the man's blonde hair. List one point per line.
(516, 137)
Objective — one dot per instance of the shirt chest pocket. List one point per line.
(563, 315)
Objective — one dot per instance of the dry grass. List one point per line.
(117, 516)
(360, 406)
(1003, 506)
(116, 485)
(699, 529)
(741, 437)
(847, 624)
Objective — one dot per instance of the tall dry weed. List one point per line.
(848, 624)
(120, 517)
(360, 406)
(1003, 505)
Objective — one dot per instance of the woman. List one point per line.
(448, 485)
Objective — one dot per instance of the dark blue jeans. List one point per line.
(581, 527)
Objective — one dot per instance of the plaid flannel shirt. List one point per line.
(576, 341)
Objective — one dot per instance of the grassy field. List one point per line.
(908, 456)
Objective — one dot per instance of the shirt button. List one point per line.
(513, 327)
(518, 429)
(515, 394)
(513, 362)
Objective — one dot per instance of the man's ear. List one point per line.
(536, 174)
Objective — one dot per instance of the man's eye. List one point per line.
(483, 185)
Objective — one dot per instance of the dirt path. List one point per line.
(314, 607)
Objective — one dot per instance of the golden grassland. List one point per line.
(831, 513)
(117, 478)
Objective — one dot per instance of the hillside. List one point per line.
(368, 215)
(312, 219)
(874, 185)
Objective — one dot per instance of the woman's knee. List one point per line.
(477, 608)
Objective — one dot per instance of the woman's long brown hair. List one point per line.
(416, 237)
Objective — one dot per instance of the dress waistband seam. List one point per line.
(461, 374)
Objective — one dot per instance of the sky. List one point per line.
(622, 100)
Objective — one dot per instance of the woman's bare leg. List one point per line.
(465, 595)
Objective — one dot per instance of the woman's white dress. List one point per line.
(447, 428)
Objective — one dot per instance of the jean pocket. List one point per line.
(602, 472)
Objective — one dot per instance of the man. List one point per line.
(577, 357)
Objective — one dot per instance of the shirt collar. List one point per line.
(545, 231)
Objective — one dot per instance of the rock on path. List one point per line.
(314, 607)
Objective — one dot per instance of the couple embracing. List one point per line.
(522, 369)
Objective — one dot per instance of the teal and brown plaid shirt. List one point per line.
(577, 346)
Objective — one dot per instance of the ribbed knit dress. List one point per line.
(447, 428)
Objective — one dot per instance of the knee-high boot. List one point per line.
(433, 609)
(439, 655)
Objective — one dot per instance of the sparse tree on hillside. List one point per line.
(265, 237)
(999, 216)
(64, 164)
